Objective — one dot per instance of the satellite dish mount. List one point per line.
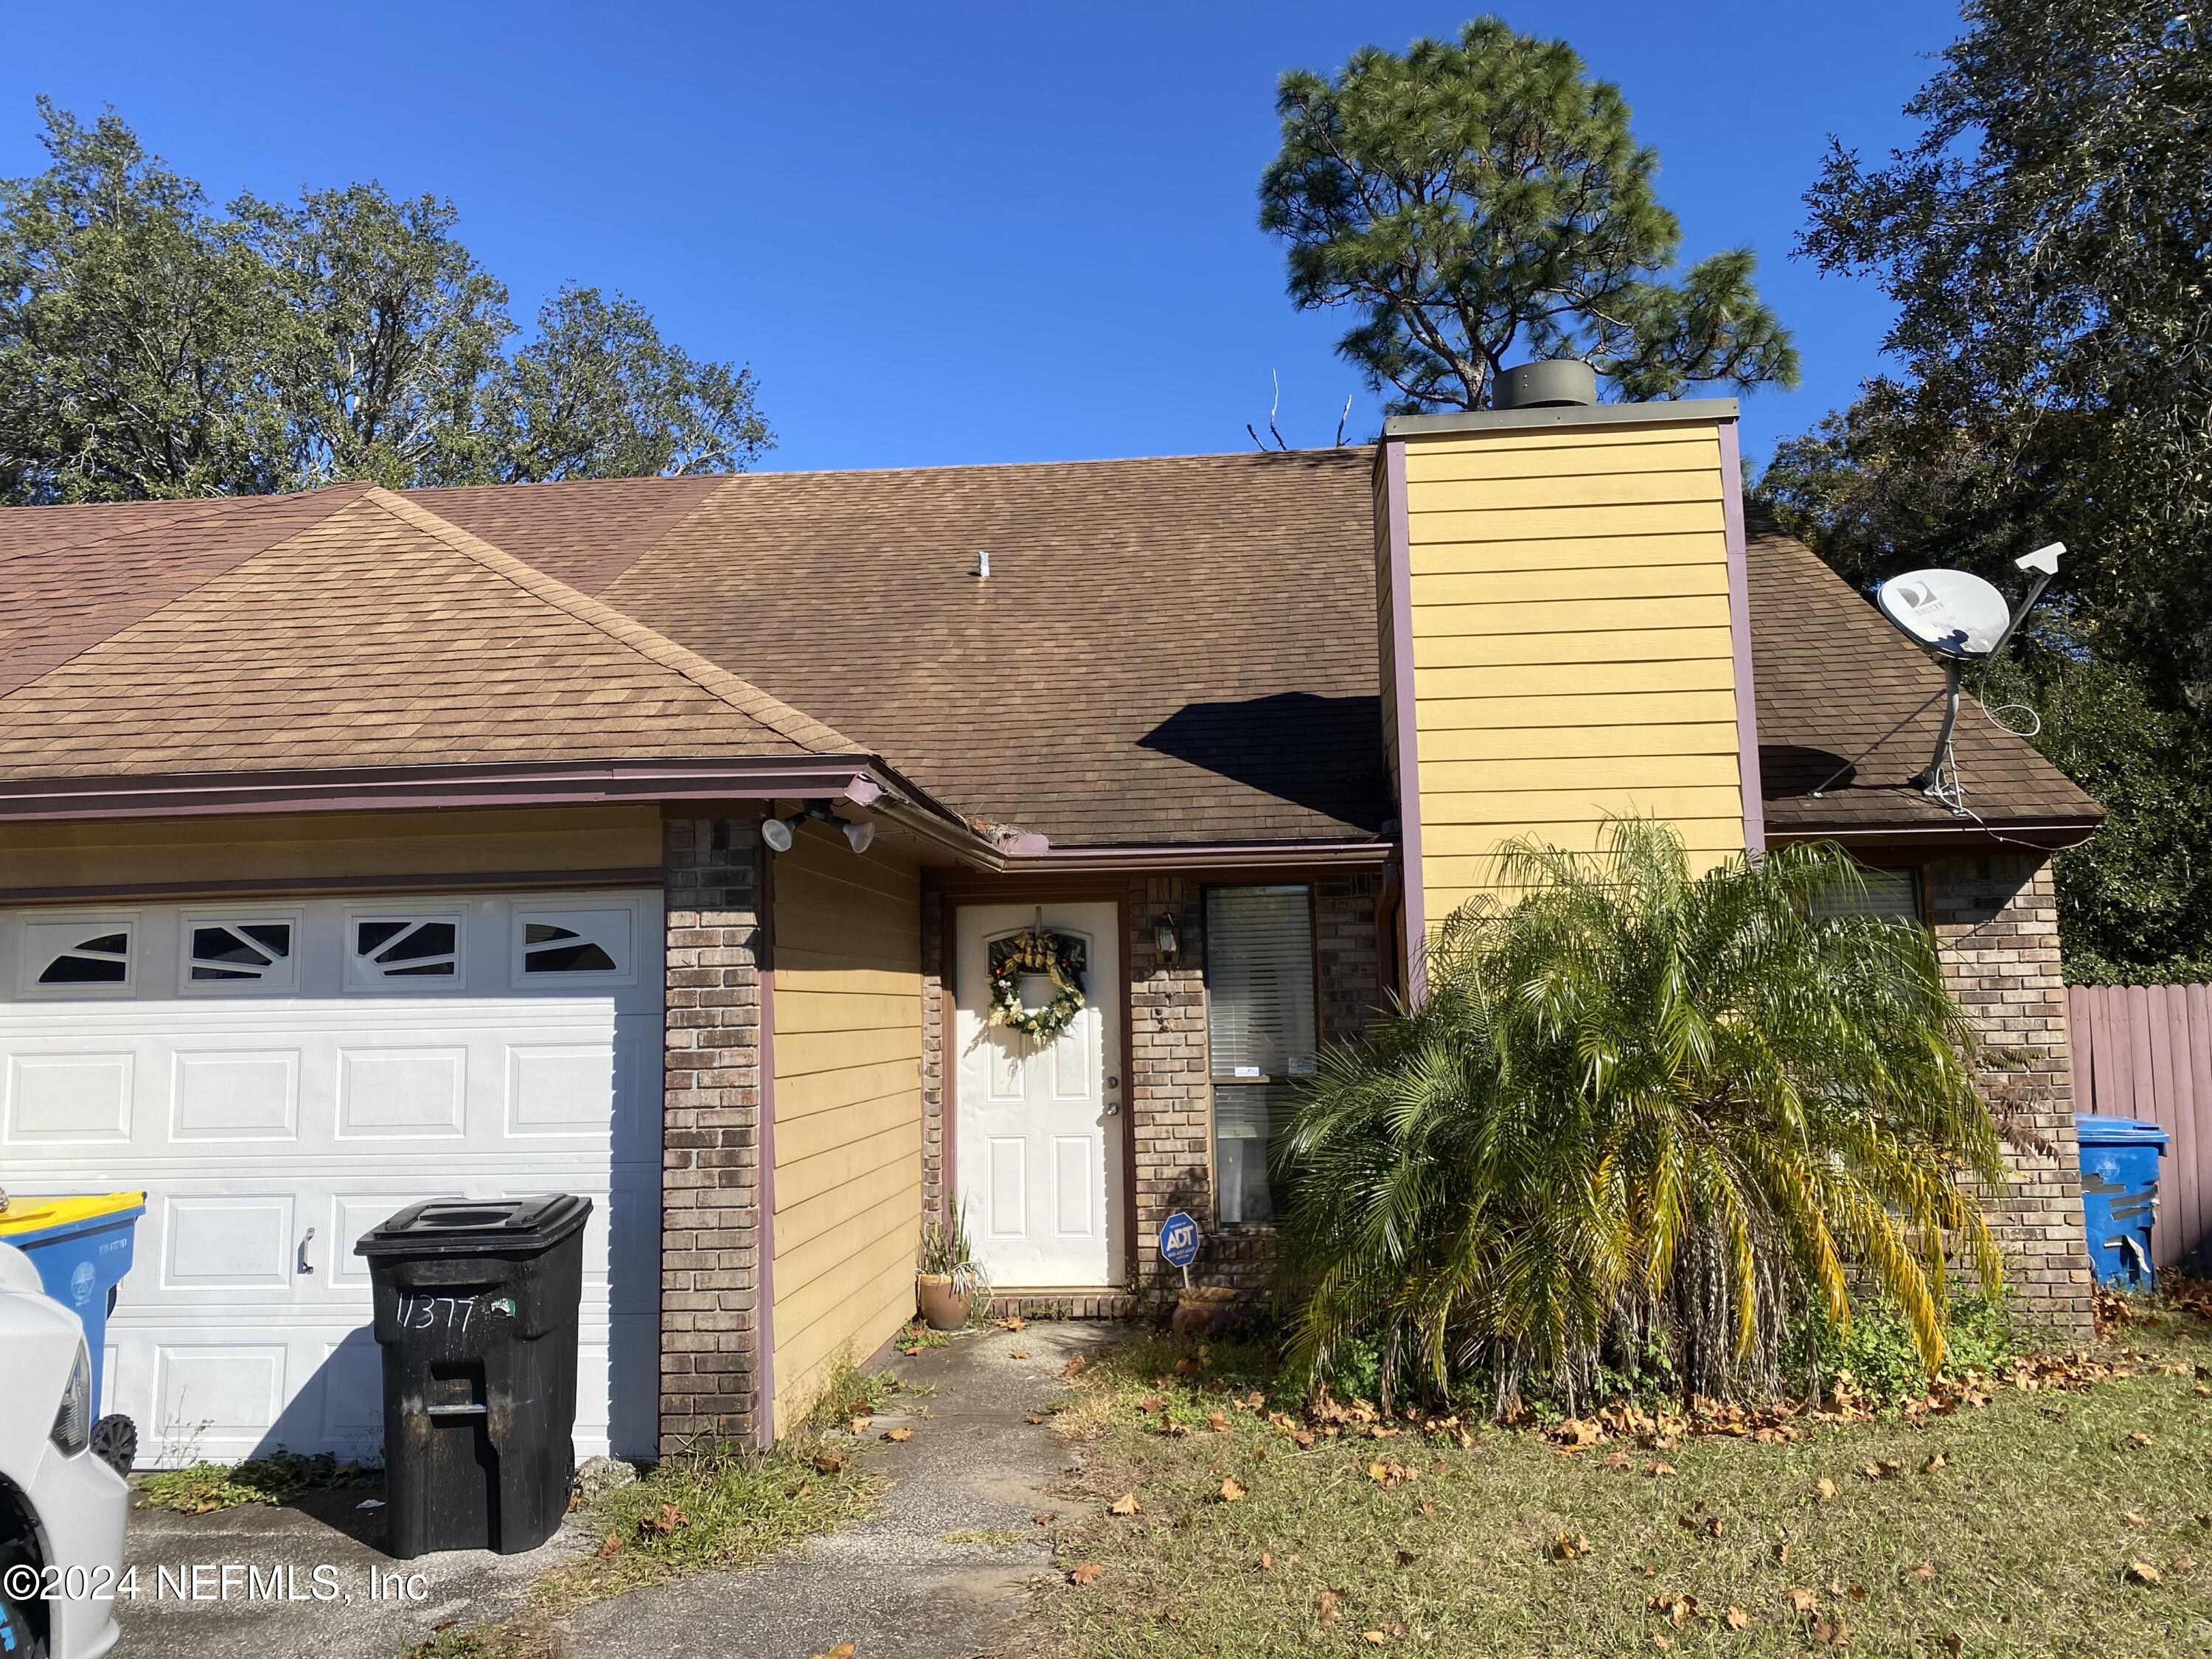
(1961, 619)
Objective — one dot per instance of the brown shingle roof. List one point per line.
(1178, 649)
(380, 636)
(1850, 707)
(1165, 650)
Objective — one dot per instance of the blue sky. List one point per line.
(955, 233)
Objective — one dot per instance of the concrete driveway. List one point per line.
(938, 1573)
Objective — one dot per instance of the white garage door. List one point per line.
(280, 1078)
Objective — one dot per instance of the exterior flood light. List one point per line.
(777, 832)
(781, 833)
(859, 835)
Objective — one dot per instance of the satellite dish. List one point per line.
(1952, 612)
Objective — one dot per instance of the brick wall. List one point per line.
(710, 1358)
(1996, 926)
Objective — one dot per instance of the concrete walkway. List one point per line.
(938, 1572)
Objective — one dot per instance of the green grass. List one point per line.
(281, 1477)
(2023, 1530)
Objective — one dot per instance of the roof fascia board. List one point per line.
(1208, 855)
(2050, 836)
(1664, 412)
(855, 778)
(1748, 780)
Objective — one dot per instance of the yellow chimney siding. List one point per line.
(846, 1019)
(1571, 630)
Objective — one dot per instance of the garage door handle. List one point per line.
(457, 1411)
(306, 1265)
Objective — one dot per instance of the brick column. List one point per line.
(1169, 1095)
(1347, 959)
(936, 1022)
(711, 1366)
(1997, 927)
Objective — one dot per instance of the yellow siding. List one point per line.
(328, 847)
(847, 1034)
(1572, 656)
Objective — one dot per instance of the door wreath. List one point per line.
(1038, 951)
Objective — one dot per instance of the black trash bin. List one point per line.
(476, 1312)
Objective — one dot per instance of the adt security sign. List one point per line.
(1179, 1240)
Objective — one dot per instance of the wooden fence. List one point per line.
(2146, 1051)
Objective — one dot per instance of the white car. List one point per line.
(61, 1507)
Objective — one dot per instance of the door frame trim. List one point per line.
(948, 1180)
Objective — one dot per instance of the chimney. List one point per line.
(1561, 383)
(1566, 636)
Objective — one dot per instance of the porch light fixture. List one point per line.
(859, 835)
(778, 832)
(1167, 944)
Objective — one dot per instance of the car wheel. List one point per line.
(115, 1443)
(18, 1637)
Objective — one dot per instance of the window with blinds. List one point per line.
(1261, 1032)
(1892, 893)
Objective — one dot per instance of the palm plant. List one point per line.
(1639, 1099)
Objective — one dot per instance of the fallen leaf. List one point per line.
(670, 1519)
(1801, 1601)
(610, 1546)
(1950, 1643)
(1325, 1607)
(2139, 1438)
(1373, 1637)
(1073, 1365)
(2134, 1519)
(1659, 1471)
(1566, 1547)
(1616, 1460)
(2142, 1572)
(1924, 1570)
(1089, 1573)
(1032, 1418)
(1824, 1490)
(1266, 1561)
(898, 1436)
(1406, 1557)
(1232, 1491)
(1011, 1322)
(1044, 1520)
(1427, 1508)
(1831, 1633)
(829, 1462)
(1125, 1504)
(843, 1651)
(1937, 1462)
(1857, 1592)
(1736, 1619)
(1017, 1353)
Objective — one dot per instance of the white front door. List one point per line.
(280, 1076)
(1037, 1147)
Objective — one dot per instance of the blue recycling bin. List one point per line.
(2119, 1195)
(81, 1246)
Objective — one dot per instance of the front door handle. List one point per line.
(306, 1265)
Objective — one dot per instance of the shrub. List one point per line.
(1636, 1108)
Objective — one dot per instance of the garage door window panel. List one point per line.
(575, 947)
(418, 950)
(87, 957)
(232, 953)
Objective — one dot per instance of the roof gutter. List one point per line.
(2050, 836)
(1169, 856)
(862, 780)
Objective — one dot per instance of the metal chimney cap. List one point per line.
(1560, 383)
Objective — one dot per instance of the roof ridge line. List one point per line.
(748, 699)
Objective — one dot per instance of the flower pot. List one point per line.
(943, 1308)
(1204, 1310)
